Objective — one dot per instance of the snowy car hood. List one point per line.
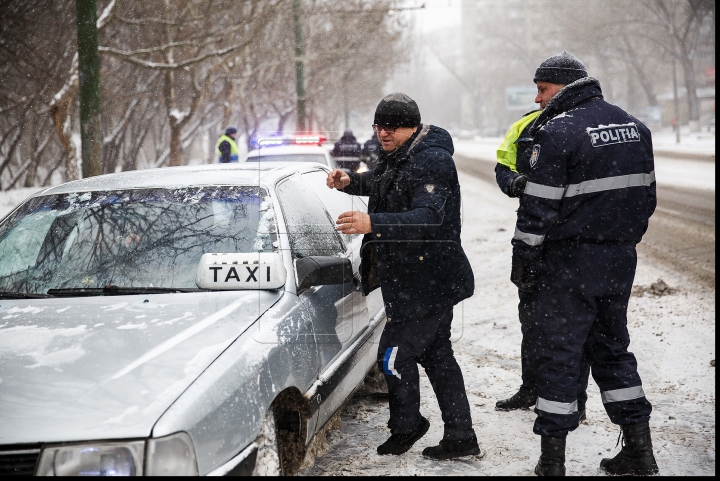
(108, 367)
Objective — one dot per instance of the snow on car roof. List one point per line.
(169, 177)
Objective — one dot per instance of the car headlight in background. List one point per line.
(172, 455)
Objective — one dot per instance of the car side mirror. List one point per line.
(322, 271)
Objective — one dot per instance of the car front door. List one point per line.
(334, 309)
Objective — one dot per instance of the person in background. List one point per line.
(347, 152)
(226, 148)
(371, 151)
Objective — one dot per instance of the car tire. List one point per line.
(268, 461)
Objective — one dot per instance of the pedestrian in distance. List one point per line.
(513, 165)
(226, 149)
(589, 195)
(411, 247)
(347, 152)
(371, 151)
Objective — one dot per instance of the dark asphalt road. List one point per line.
(681, 234)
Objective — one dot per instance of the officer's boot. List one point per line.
(636, 457)
(552, 457)
(524, 398)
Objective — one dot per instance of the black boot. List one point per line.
(636, 457)
(401, 443)
(552, 457)
(524, 398)
(449, 449)
(582, 416)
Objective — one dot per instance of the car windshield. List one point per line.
(289, 158)
(129, 238)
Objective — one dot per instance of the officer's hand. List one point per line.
(354, 222)
(517, 186)
(337, 179)
(525, 273)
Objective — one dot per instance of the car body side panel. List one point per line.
(224, 408)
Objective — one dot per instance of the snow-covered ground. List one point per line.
(673, 338)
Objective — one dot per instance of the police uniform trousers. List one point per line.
(424, 341)
(581, 308)
(528, 350)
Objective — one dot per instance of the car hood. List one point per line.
(108, 367)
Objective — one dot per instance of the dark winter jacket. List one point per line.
(414, 249)
(591, 176)
(347, 146)
(371, 151)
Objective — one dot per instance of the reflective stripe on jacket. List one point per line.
(234, 151)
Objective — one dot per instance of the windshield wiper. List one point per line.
(116, 291)
(22, 295)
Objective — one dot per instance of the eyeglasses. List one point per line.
(388, 130)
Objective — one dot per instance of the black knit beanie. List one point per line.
(397, 110)
(563, 69)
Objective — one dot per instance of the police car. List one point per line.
(175, 321)
(299, 148)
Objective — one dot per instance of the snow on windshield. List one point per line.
(130, 238)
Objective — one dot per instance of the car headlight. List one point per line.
(172, 455)
(93, 459)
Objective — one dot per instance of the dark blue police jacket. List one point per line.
(591, 176)
(414, 250)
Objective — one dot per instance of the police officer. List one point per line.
(513, 163)
(411, 247)
(590, 192)
(226, 148)
(371, 151)
(347, 152)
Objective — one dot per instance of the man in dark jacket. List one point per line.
(411, 247)
(371, 151)
(590, 192)
(347, 152)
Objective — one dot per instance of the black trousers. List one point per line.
(581, 310)
(529, 345)
(424, 341)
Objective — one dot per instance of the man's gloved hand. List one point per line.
(525, 272)
(517, 186)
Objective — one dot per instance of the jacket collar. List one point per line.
(569, 97)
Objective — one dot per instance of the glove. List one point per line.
(517, 186)
(525, 272)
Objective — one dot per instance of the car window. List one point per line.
(310, 228)
(130, 238)
(335, 201)
(289, 158)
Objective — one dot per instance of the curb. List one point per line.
(684, 155)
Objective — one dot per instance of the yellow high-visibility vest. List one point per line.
(507, 152)
(234, 151)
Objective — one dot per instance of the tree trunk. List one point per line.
(177, 154)
(89, 72)
(691, 89)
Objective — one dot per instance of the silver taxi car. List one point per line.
(182, 321)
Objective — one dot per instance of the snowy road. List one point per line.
(673, 338)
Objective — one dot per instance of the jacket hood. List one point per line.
(91, 368)
(432, 136)
(568, 98)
